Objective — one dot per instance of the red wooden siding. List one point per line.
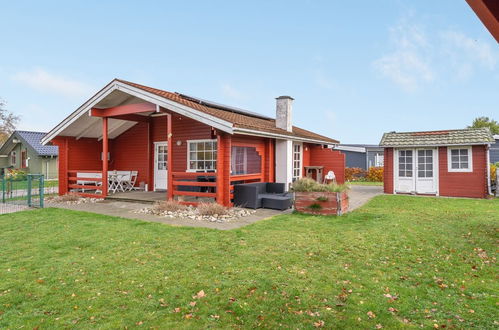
(388, 171)
(332, 160)
(464, 184)
(129, 152)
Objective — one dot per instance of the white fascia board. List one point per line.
(349, 148)
(246, 131)
(150, 97)
(78, 113)
(439, 145)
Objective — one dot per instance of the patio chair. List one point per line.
(330, 177)
(133, 180)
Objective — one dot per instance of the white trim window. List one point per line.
(297, 168)
(13, 159)
(201, 155)
(460, 159)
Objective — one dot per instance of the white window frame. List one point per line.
(300, 169)
(470, 159)
(189, 154)
(13, 154)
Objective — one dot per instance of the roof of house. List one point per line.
(467, 136)
(241, 119)
(225, 118)
(30, 139)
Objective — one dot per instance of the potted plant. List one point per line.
(325, 199)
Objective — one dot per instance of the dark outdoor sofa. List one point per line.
(262, 194)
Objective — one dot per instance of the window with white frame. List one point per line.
(202, 155)
(245, 160)
(405, 163)
(297, 161)
(13, 158)
(379, 159)
(459, 159)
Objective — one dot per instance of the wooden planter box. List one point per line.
(321, 203)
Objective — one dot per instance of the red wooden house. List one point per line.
(171, 139)
(443, 163)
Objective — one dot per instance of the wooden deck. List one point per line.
(151, 197)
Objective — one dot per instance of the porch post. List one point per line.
(105, 150)
(169, 186)
(223, 169)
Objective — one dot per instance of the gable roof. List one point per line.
(225, 118)
(245, 120)
(32, 140)
(467, 136)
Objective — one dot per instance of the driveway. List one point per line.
(359, 195)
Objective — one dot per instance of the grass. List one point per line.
(364, 183)
(398, 261)
(15, 185)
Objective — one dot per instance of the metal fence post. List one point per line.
(29, 189)
(41, 189)
(3, 189)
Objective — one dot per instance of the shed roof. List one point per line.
(30, 139)
(467, 136)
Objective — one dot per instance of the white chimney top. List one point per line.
(284, 108)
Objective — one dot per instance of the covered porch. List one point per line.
(174, 156)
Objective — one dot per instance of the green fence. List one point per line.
(20, 194)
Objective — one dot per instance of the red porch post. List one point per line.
(223, 169)
(169, 186)
(105, 150)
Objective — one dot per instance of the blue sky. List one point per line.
(354, 71)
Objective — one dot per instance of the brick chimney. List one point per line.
(284, 108)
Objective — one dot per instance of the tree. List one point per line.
(8, 122)
(486, 122)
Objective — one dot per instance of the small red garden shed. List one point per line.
(442, 163)
(183, 146)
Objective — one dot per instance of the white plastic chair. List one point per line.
(133, 180)
(330, 177)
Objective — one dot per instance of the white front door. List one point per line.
(404, 171)
(426, 171)
(416, 171)
(160, 165)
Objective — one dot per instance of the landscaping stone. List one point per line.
(192, 213)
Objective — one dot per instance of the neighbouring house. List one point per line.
(24, 150)
(442, 163)
(362, 155)
(186, 146)
(494, 151)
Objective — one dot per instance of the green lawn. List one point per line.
(364, 183)
(399, 261)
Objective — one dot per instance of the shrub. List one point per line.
(168, 206)
(322, 199)
(315, 206)
(309, 185)
(355, 174)
(16, 174)
(211, 209)
(375, 174)
(493, 172)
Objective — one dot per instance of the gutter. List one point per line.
(489, 189)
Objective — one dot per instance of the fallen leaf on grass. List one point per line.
(371, 315)
(379, 326)
(199, 295)
(188, 316)
(192, 303)
(319, 324)
(177, 310)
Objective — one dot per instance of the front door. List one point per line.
(160, 165)
(425, 171)
(404, 175)
(416, 171)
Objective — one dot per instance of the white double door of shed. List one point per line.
(416, 170)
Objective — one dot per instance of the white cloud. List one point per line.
(43, 80)
(231, 92)
(408, 64)
(418, 58)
